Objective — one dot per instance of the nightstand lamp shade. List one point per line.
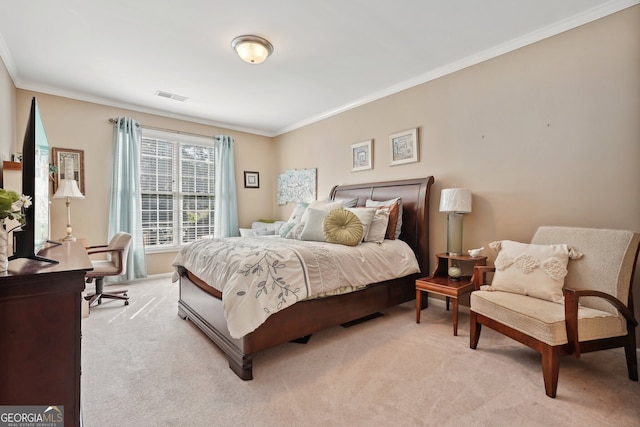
(68, 189)
(455, 201)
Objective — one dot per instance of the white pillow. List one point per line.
(378, 227)
(322, 205)
(365, 215)
(347, 203)
(397, 218)
(528, 269)
(298, 211)
(313, 225)
(294, 218)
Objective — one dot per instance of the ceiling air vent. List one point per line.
(170, 95)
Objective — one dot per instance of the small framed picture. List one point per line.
(404, 147)
(361, 156)
(251, 179)
(69, 164)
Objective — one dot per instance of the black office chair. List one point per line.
(114, 265)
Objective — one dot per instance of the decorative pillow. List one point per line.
(313, 225)
(295, 231)
(365, 215)
(395, 215)
(343, 227)
(534, 270)
(322, 205)
(298, 211)
(378, 227)
(294, 218)
(286, 228)
(347, 203)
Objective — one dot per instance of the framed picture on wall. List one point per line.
(361, 156)
(404, 147)
(251, 179)
(69, 164)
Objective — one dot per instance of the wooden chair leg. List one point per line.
(630, 352)
(550, 369)
(474, 330)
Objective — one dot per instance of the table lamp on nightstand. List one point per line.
(455, 201)
(68, 189)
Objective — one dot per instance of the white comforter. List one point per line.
(259, 276)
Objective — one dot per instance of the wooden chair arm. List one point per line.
(571, 298)
(115, 252)
(100, 251)
(97, 246)
(480, 275)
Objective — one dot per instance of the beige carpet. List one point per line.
(144, 366)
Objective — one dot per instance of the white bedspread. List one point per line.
(259, 276)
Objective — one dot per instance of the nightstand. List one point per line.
(441, 284)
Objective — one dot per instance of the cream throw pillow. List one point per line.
(534, 270)
(365, 215)
(378, 227)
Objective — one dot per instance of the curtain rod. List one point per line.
(179, 132)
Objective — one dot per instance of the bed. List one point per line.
(202, 304)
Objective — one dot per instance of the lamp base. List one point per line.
(454, 233)
(68, 238)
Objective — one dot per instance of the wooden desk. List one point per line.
(40, 316)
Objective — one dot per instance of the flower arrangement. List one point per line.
(12, 205)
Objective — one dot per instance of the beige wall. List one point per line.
(545, 135)
(7, 114)
(84, 126)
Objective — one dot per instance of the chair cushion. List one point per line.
(544, 320)
(103, 268)
(528, 269)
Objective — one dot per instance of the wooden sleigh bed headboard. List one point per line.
(313, 315)
(415, 203)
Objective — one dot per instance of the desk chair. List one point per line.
(114, 265)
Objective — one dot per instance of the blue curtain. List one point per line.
(225, 218)
(126, 201)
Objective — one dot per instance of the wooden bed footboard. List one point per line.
(310, 316)
(302, 319)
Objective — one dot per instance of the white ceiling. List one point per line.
(330, 55)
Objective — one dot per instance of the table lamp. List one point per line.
(455, 201)
(68, 189)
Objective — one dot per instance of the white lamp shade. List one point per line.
(68, 189)
(455, 200)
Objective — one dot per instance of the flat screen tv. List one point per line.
(32, 236)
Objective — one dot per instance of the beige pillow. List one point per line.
(365, 215)
(342, 227)
(378, 227)
(534, 270)
(394, 227)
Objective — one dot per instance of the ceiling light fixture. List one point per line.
(252, 49)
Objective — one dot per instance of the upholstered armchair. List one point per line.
(556, 310)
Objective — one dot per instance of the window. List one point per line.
(177, 186)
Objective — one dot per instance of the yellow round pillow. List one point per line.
(342, 227)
